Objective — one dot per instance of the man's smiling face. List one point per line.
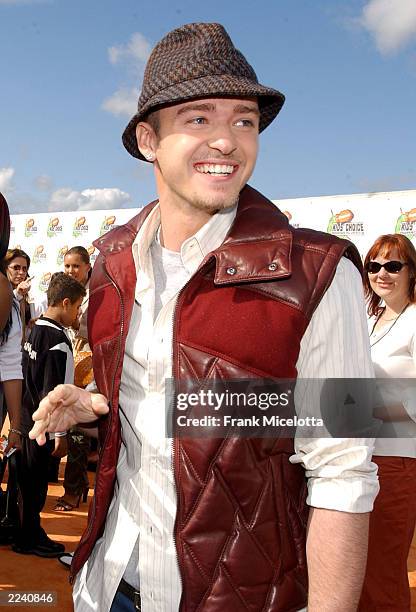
(205, 151)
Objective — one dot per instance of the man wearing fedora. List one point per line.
(209, 281)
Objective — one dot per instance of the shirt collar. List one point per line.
(195, 248)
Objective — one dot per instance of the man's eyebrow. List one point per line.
(202, 106)
(244, 108)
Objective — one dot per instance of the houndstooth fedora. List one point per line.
(198, 60)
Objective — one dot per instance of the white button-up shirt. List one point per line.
(143, 509)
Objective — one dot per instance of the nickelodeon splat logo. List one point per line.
(92, 252)
(61, 254)
(107, 224)
(54, 227)
(44, 281)
(80, 227)
(39, 254)
(30, 227)
(289, 216)
(406, 224)
(342, 225)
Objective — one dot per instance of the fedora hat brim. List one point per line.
(221, 86)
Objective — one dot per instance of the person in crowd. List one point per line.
(17, 264)
(47, 362)
(10, 341)
(210, 281)
(77, 264)
(76, 483)
(390, 267)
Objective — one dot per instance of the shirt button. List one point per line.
(150, 529)
(231, 271)
(151, 594)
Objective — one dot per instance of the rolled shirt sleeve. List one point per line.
(341, 475)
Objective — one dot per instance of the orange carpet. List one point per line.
(31, 573)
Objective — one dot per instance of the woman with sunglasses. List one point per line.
(390, 273)
(17, 264)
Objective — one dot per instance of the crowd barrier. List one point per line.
(361, 218)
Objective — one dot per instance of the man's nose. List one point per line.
(223, 140)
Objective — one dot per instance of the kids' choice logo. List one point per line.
(80, 227)
(289, 216)
(30, 227)
(344, 224)
(406, 224)
(92, 252)
(44, 282)
(39, 254)
(61, 254)
(107, 224)
(54, 227)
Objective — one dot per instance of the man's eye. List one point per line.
(198, 120)
(245, 122)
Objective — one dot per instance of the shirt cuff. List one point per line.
(346, 495)
(341, 475)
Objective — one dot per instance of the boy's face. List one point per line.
(70, 311)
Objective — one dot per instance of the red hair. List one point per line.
(384, 245)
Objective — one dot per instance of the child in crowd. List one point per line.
(47, 362)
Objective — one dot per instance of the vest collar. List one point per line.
(256, 248)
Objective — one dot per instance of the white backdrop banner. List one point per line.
(361, 218)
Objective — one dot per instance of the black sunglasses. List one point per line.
(393, 267)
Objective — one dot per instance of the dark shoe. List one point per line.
(63, 505)
(45, 547)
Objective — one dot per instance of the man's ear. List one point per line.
(66, 302)
(146, 140)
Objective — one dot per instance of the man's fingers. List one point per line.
(67, 394)
(38, 432)
(46, 409)
(99, 404)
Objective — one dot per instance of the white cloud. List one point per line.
(6, 178)
(392, 23)
(123, 102)
(137, 50)
(88, 199)
(132, 57)
(43, 182)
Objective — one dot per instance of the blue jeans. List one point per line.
(121, 603)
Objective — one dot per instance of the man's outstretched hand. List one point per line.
(63, 408)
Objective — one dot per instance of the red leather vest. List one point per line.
(241, 517)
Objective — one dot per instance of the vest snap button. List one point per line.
(272, 267)
(231, 271)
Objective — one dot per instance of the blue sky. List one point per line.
(71, 71)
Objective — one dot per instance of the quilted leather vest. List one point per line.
(241, 518)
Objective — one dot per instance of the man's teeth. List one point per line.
(214, 169)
